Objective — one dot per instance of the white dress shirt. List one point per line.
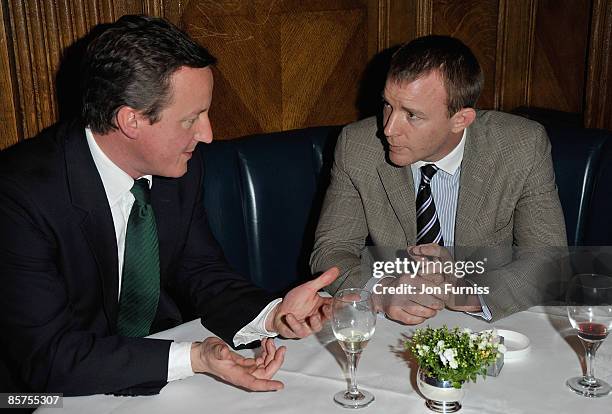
(444, 188)
(117, 185)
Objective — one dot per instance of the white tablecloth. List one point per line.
(313, 372)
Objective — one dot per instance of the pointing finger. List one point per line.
(325, 279)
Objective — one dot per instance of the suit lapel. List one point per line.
(399, 187)
(166, 205)
(88, 195)
(476, 171)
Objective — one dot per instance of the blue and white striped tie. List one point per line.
(428, 224)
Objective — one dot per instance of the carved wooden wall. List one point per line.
(284, 64)
(33, 38)
(288, 64)
(535, 53)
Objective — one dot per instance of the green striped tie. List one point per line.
(140, 281)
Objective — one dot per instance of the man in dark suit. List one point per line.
(102, 227)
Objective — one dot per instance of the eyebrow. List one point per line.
(194, 113)
(403, 108)
(413, 111)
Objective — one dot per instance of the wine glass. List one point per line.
(589, 309)
(353, 323)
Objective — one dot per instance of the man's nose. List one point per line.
(390, 122)
(204, 133)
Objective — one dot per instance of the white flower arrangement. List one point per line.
(455, 355)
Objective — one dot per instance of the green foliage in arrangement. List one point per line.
(455, 355)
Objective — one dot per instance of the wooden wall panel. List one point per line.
(598, 110)
(514, 53)
(35, 37)
(559, 55)
(319, 88)
(289, 63)
(338, 95)
(283, 65)
(535, 53)
(402, 22)
(475, 23)
(27, 80)
(9, 115)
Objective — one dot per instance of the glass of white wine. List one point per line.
(353, 323)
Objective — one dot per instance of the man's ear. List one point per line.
(129, 121)
(462, 119)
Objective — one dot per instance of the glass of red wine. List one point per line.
(589, 309)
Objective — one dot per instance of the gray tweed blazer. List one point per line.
(507, 197)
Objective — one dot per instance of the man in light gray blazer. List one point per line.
(494, 183)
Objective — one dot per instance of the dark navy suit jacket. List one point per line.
(59, 271)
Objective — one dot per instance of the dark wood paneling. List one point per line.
(514, 53)
(37, 34)
(283, 65)
(475, 23)
(598, 111)
(337, 99)
(402, 21)
(9, 123)
(424, 23)
(290, 63)
(559, 55)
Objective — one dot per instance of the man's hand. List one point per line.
(436, 253)
(302, 310)
(213, 356)
(431, 252)
(408, 308)
(415, 306)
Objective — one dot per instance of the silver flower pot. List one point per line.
(440, 396)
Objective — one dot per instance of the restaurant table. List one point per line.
(313, 371)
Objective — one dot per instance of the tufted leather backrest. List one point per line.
(578, 157)
(598, 218)
(263, 195)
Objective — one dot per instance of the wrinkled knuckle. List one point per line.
(428, 313)
(417, 320)
(392, 312)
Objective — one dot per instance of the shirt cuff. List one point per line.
(485, 313)
(179, 361)
(256, 329)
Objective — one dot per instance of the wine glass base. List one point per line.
(581, 386)
(348, 400)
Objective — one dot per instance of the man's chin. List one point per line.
(400, 160)
(176, 172)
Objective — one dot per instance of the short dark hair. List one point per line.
(457, 65)
(131, 63)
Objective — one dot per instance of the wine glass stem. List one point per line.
(590, 347)
(353, 360)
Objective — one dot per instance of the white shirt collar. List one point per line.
(116, 181)
(451, 161)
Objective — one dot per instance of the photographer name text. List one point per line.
(445, 289)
